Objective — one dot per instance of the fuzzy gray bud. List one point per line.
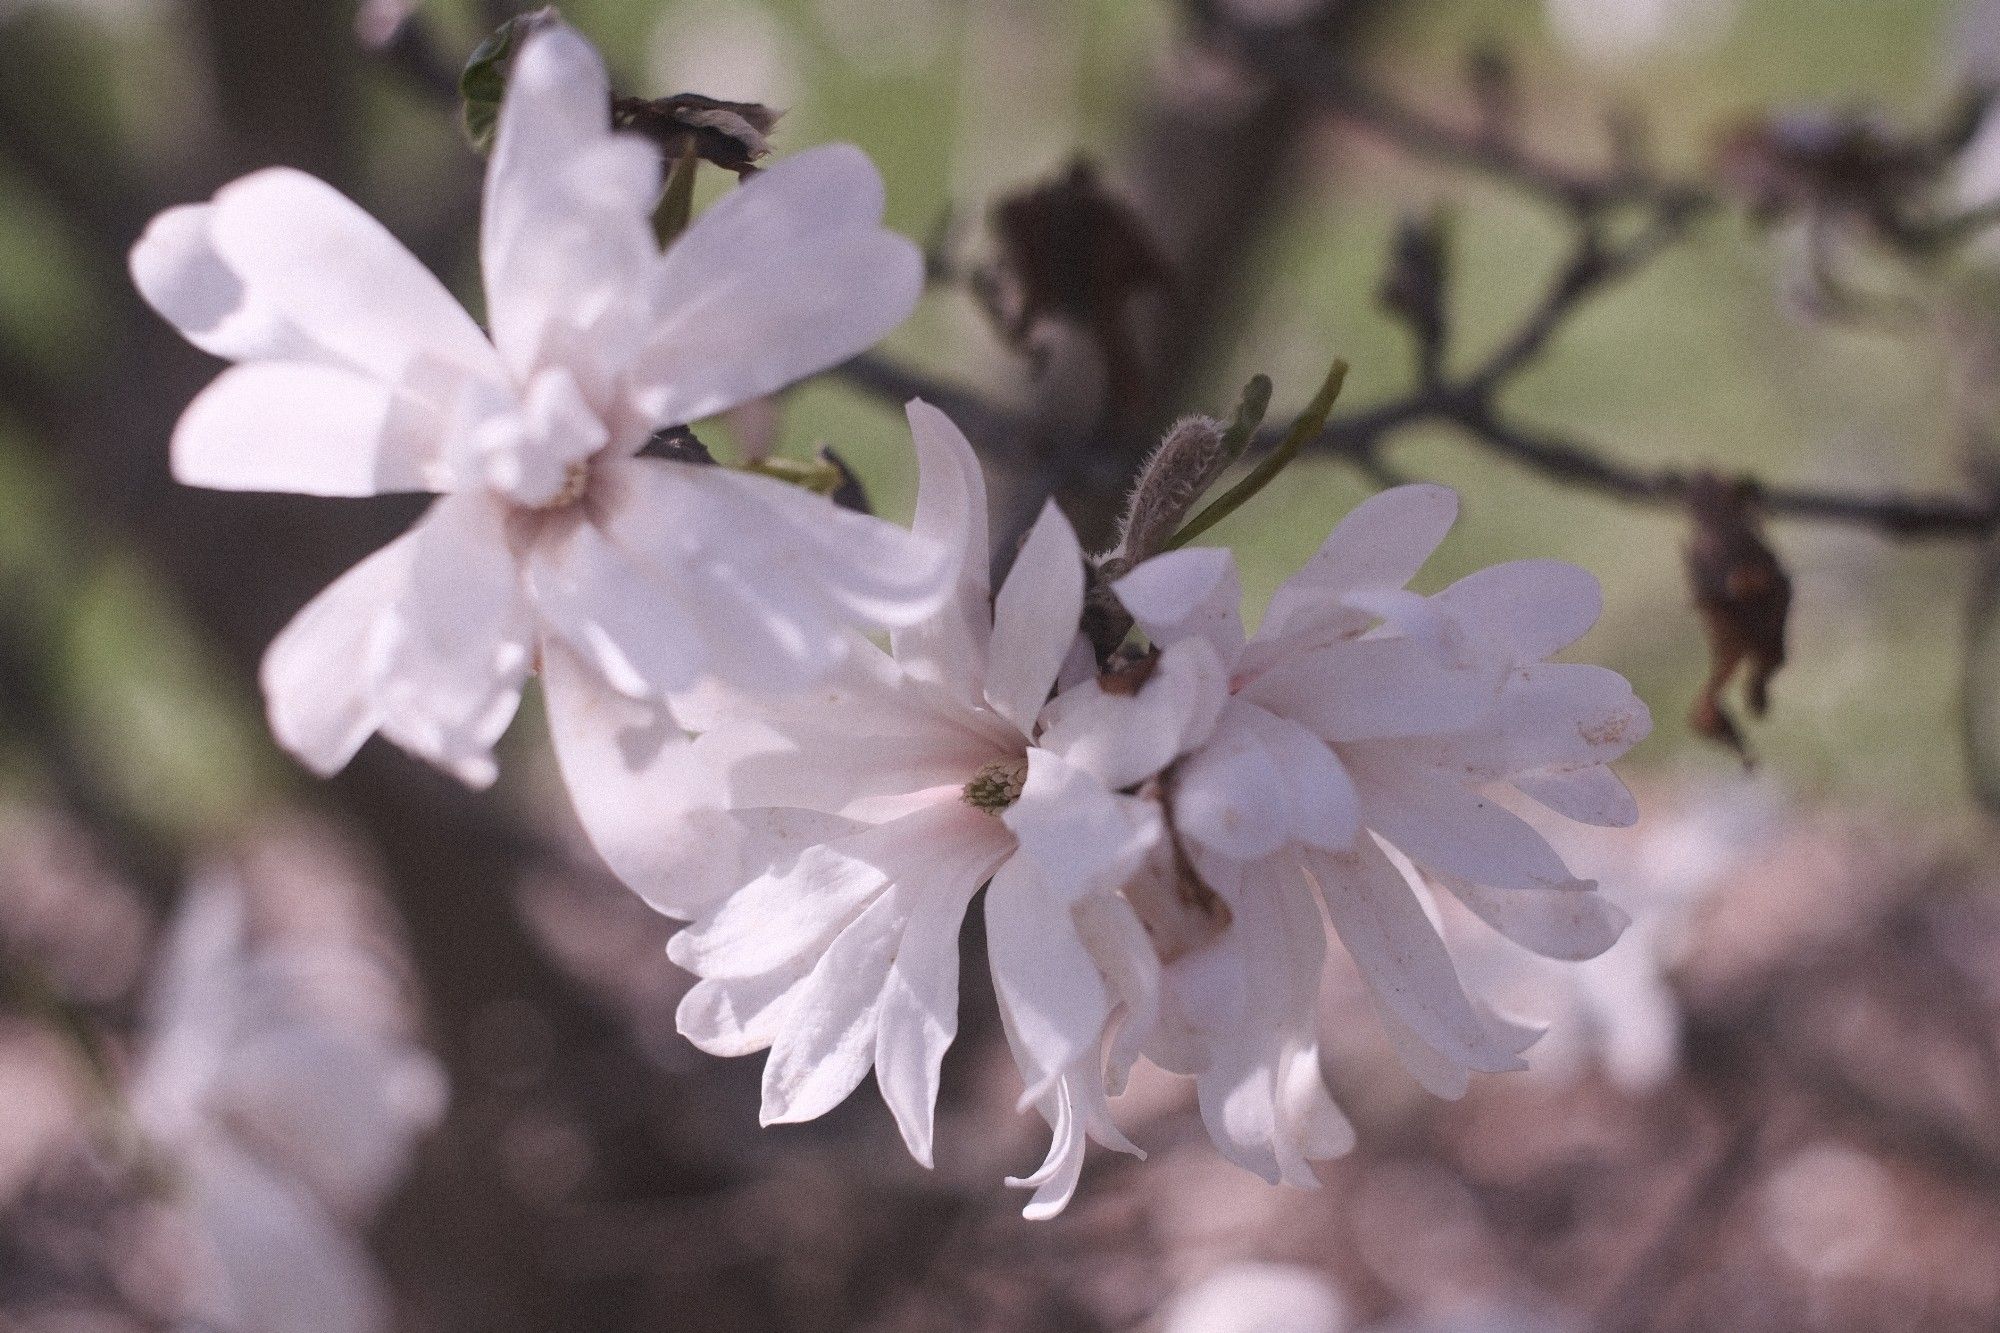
(1173, 477)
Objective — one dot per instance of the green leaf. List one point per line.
(483, 84)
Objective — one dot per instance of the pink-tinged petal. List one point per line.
(949, 646)
(1549, 717)
(310, 254)
(1530, 609)
(1035, 620)
(1323, 807)
(1365, 689)
(176, 269)
(1443, 826)
(1083, 838)
(1229, 796)
(1397, 950)
(631, 628)
(919, 1009)
(1054, 1182)
(1314, 1121)
(738, 1015)
(1381, 543)
(1587, 795)
(1188, 593)
(457, 645)
(1439, 1075)
(316, 692)
(303, 428)
(788, 274)
(644, 795)
(826, 1044)
(1047, 984)
(1125, 738)
(566, 227)
(1555, 923)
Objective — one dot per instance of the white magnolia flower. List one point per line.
(1364, 726)
(275, 1126)
(911, 780)
(361, 375)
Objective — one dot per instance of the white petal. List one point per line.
(1229, 796)
(1368, 688)
(450, 659)
(175, 267)
(919, 1011)
(788, 274)
(1324, 807)
(1531, 608)
(1587, 795)
(1044, 977)
(1035, 620)
(1193, 592)
(1125, 738)
(639, 789)
(566, 226)
(316, 692)
(629, 626)
(1082, 838)
(314, 257)
(737, 1015)
(949, 647)
(1555, 923)
(1442, 825)
(1551, 716)
(1398, 952)
(303, 428)
(1381, 543)
(826, 1044)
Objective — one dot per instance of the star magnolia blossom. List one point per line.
(361, 375)
(1347, 772)
(277, 1125)
(928, 773)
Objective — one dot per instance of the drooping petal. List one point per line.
(457, 645)
(1397, 950)
(1442, 825)
(1555, 923)
(1044, 977)
(788, 274)
(311, 255)
(1587, 795)
(919, 1011)
(1194, 592)
(1381, 543)
(1035, 620)
(175, 267)
(645, 798)
(306, 429)
(1531, 609)
(317, 693)
(949, 646)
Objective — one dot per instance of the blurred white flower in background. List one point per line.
(1248, 1297)
(361, 375)
(1618, 31)
(275, 1109)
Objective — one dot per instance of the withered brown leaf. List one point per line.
(730, 135)
(1744, 596)
(1072, 250)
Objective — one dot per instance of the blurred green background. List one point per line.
(1694, 363)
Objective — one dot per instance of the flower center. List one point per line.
(997, 786)
(576, 481)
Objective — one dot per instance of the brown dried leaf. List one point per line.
(730, 135)
(1744, 596)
